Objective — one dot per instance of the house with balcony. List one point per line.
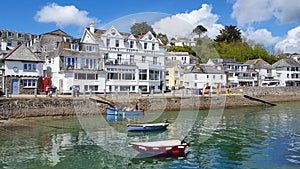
(238, 74)
(22, 71)
(132, 63)
(287, 72)
(266, 73)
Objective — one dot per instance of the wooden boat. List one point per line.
(147, 127)
(170, 147)
(110, 111)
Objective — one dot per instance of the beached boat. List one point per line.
(147, 127)
(110, 111)
(160, 147)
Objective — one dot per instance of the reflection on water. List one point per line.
(258, 137)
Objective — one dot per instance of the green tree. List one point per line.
(229, 34)
(182, 49)
(141, 28)
(199, 30)
(163, 38)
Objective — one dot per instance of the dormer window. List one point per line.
(150, 37)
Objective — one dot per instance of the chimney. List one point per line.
(92, 26)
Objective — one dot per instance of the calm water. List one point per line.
(260, 137)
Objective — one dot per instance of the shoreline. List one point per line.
(232, 101)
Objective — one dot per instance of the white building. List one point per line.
(266, 73)
(22, 71)
(200, 76)
(287, 72)
(131, 62)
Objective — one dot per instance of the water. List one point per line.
(256, 137)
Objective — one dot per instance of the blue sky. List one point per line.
(274, 23)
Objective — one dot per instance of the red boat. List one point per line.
(160, 147)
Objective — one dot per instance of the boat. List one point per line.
(110, 111)
(165, 147)
(147, 127)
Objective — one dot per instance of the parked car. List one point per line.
(210, 90)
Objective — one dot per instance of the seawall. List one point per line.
(68, 106)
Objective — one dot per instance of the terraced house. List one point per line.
(132, 63)
(105, 61)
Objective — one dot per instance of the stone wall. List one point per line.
(36, 107)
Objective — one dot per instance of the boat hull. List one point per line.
(114, 112)
(146, 128)
(157, 149)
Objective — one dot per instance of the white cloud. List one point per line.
(262, 36)
(291, 44)
(182, 24)
(63, 15)
(249, 11)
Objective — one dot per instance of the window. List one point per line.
(105, 56)
(107, 42)
(117, 43)
(153, 46)
(207, 76)
(131, 44)
(143, 74)
(221, 76)
(154, 60)
(29, 67)
(20, 36)
(196, 78)
(10, 34)
(143, 59)
(153, 75)
(9, 43)
(145, 45)
(74, 47)
(131, 59)
(119, 57)
(90, 48)
(29, 83)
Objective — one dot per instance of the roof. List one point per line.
(259, 64)
(286, 63)
(58, 32)
(22, 53)
(204, 69)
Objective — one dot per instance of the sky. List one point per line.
(273, 23)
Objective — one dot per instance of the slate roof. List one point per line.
(22, 53)
(259, 64)
(204, 69)
(286, 63)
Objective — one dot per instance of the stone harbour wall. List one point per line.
(37, 107)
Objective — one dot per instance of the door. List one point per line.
(15, 86)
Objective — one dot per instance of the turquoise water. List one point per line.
(256, 137)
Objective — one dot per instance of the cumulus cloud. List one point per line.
(291, 43)
(182, 24)
(262, 36)
(247, 12)
(62, 15)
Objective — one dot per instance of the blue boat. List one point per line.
(147, 127)
(110, 111)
